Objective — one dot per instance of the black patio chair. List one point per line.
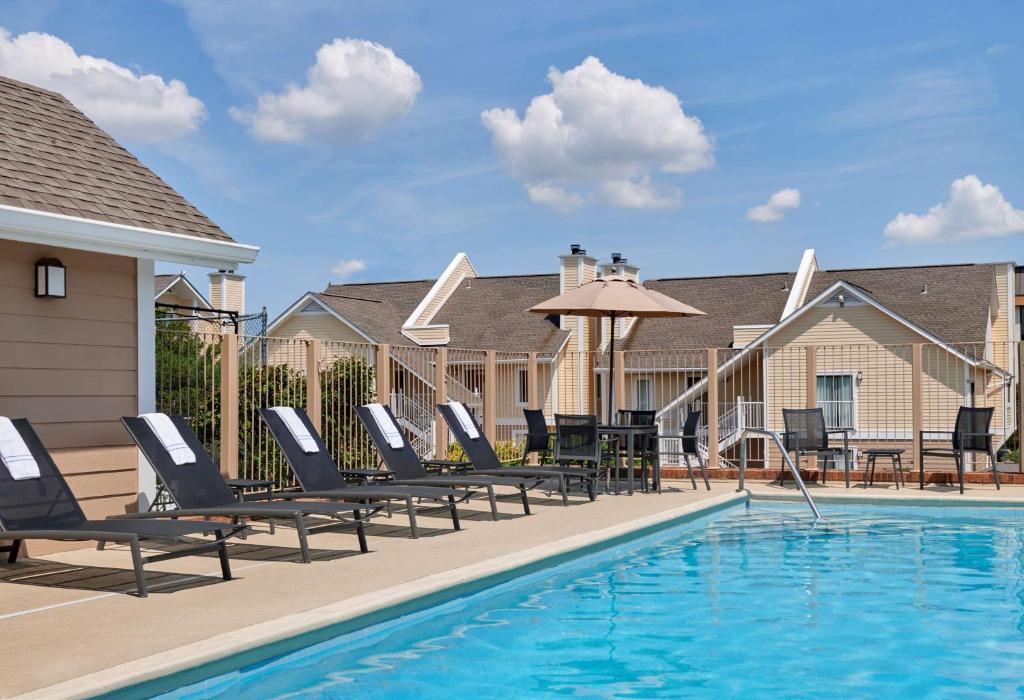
(45, 508)
(484, 460)
(688, 448)
(807, 434)
(578, 441)
(320, 477)
(971, 434)
(405, 465)
(199, 490)
(538, 437)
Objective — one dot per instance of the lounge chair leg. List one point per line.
(959, 458)
(689, 470)
(222, 552)
(12, 558)
(494, 502)
(703, 472)
(140, 575)
(564, 487)
(920, 465)
(995, 467)
(455, 513)
(412, 518)
(526, 500)
(300, 530)
(101, 545)
(361, 534)
(592, 489)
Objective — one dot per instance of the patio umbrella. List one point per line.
(614, 297)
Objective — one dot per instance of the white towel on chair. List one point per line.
(15, 453)
(167, 433)
(297, 428)
(386, 425)
(464, 420)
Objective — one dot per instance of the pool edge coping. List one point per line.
(399, 600)
(892, 499)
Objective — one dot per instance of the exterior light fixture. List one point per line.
(51, 279)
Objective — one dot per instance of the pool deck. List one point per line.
(68, 630)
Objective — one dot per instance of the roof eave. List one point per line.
(31, 226)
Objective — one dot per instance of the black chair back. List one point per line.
(689, 435)
(636, 417)
(537, 438)
(805, 429)
(198, 485)
(577, 439)
(314, 472)
(479, 451)
(403, 462)
(37, 504)
(971, 430)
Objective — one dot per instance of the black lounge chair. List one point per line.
(972, 433)
(319, 476)
(46, 509)
(407, 468)
(484, 460)
(199, 490)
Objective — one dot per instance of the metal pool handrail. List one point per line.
(785, 455)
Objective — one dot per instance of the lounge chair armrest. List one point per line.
(69, 535)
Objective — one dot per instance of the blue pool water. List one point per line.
(754, 602)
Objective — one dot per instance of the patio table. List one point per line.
(629, 433)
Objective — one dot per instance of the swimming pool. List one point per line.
(757, 601)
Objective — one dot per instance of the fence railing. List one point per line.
(884, 394)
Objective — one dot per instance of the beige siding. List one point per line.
(299, 326)
(744, 335)
(432, 335)
(69, 366)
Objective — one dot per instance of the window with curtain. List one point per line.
(835, 399)
(522, 387)
(642, 398)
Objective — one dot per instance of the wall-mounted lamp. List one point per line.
(51, 279)
(860, 376)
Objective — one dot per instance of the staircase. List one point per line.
(732, 421)
(416, 417)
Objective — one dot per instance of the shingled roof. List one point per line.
(377, 309)
(54, 159)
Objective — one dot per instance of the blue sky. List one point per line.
(867, 110)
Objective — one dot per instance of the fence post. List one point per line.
(532, 400)
(382, 374)
(440, 396)
(620, 382)
(917, 407)
(229, 405)
(1020, 405)
(491, 395)
(811, 390)
(314, 392)
(712, 408)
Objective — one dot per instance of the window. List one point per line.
(643, 400)
(836, 399)
(522, 387)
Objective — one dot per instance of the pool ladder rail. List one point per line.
(785, 455)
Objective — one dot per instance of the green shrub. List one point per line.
(508, 452)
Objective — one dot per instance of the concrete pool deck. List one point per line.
(68, 630)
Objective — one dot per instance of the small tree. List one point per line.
(346, 383)
(188, 379)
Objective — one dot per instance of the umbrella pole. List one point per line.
(611, 373)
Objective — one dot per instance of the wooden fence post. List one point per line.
(229, 405)
(917, 406)
(712, 408)
(811, 389)
(382, 374)
(532, 379)
(440, 396)
(491, 395)
(620, 382)
(314, 392)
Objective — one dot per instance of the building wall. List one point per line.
(69, 366)
(461, 271)
(307, 326)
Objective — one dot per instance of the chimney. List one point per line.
(576, 268)
(227, 290)
(620, 267)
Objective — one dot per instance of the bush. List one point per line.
(508, 452)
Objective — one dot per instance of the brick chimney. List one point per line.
(227, 290)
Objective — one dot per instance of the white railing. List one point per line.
(416, 416)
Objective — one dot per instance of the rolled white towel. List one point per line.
(387, 426)
(169, 436)
(15, 453)
(464, 420)
(297, 428)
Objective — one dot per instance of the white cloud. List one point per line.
(640, 194)
(135, 107)
(355, 88)
(346, 269)
(602, 133)
(974, 210)
(776, 207)
(554, 198)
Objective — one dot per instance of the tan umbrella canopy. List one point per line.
(614, 297)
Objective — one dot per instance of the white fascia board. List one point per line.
(436, 290)
(801, 283)
(44, 228)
